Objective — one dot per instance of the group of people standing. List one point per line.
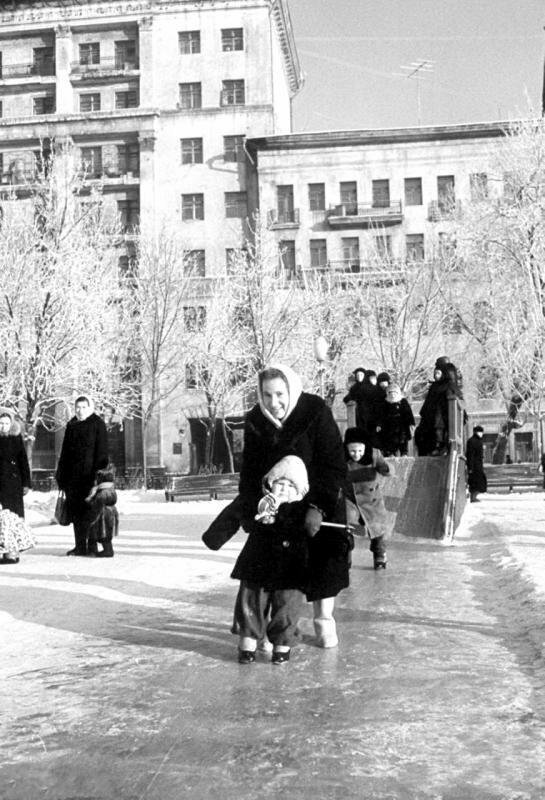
(383, 414)
(82, 475)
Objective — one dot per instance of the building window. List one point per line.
(43, 105)
(89, 102)
(478, 186)
(445, 193)
(233, 148)
(287, 254)
(232, 39)
(414, 247)
(190, 95)
(284, 203)
(413, 191)
(125, 54)
(194, 318)
(318, 253)
(351, 253)
(195, 263)
(189, 42)
(128, 99)
(89, 53)
(349, 197)
(191, 151)
(192, 206)
(128, 158)
(129, 212)
(233, 93)
(383, 246)
(43, 61)
(451, 322)
(91, 160)
(381, 193)
(316, 196)
(236, 204)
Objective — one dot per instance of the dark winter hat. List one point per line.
(359, 369)
(478, 429)
(383, 377)
(441, 361)
(355, 435)
(370, 373)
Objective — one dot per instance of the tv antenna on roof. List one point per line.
(418, 69)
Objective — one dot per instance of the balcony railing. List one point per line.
(438, 210)
(19, 177)
(283, 219)
(105, 66)
(43, 67)
(365, 214)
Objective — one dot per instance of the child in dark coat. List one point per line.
(365, 509)
(397, 421)
(103, 514)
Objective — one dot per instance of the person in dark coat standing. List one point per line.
(14, 468)
(289, 422)
(84, 451)
(476, 478)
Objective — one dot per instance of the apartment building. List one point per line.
(341, 200)
(158, 98)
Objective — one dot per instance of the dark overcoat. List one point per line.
(84, 451)
(282, 553)
(476, 478)
(14, 473)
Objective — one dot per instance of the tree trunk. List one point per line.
(210, 437)
(228, 446)
(144, 451)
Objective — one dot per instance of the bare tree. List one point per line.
(501, 235)
(62, 308)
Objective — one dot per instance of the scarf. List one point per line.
(294, 386)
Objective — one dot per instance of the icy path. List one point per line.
(120, 681)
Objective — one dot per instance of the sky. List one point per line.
(486, 61)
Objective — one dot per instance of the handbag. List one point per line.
(62, 514)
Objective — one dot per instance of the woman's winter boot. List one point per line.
(326, 632)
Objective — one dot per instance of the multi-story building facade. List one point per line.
(158, 98)
(342, 201)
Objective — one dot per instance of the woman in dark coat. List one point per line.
(476, 478)
(14, 479)
(431, 435)
(84, 451)
(14, 468)
(279, 562)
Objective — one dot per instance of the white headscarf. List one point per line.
(294, 386)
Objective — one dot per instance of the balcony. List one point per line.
(349, 271)
(364, 214)
(277, 220)
(440, 210)
(105, 68)
(37, 69)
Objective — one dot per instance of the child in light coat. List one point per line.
(365, 509)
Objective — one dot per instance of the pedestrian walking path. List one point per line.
(120, 679)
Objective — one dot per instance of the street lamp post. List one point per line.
(321, 348)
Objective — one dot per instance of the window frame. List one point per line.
(191, 150)
(231, 38)
(312, 194)
(237, 151)
(91, 96)
(193, 201)
(413, 190)
(236, 205)
(320, 249)
(192, 91)
(94, 53)
(233, 92)
(190, 42)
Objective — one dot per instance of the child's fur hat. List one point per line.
(383, 376)
(293, 469)
(355, 435)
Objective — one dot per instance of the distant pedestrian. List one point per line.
(365, 509)
(84, 451)
(476, 478)
(14, 480)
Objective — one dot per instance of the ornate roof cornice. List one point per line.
(281, 14)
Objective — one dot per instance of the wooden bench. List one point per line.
(508, 477)
(211, 487)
